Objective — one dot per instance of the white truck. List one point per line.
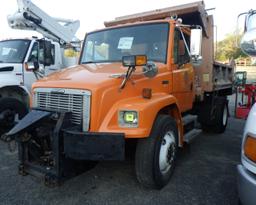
(247, 169)
(18, 57)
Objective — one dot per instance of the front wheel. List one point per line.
(11, 110)
(156, 155)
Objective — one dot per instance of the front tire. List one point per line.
(11, 109)
(156, 155)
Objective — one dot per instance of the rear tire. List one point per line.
(222, 118)
(156, 155)
(219, 123)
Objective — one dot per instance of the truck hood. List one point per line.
(9, 67)
(10, 74)
(89, 76)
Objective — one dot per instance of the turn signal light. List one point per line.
(250, 148)
(141, 60)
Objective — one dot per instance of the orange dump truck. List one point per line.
(144, 80)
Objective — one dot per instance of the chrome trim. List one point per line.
(74, 103)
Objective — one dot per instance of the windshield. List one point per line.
(13, 51)
(111, 45)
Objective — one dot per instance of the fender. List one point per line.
(8, 80)
(147, 110)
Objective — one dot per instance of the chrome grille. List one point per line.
(75, 101)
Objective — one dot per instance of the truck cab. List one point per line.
(16, 58)
(16, 54)
(246, 170)
(139, 80)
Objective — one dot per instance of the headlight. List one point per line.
(128, 118)
(250, 148)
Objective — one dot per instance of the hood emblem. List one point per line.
(58, 90)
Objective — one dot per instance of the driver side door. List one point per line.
(29, 76)
(183, 72)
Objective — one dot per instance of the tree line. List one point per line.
(227, 48)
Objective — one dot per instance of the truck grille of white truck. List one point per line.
(75, 101)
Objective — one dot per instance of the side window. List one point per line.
(181, 55)
(176, 46)
(34, 53)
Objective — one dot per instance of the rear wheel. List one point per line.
(156, 155)
(215, 121)
(11, 110)
(222, 118)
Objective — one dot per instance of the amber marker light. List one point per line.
(141, 60)
(147, 93)
(250, 148)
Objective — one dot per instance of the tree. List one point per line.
(227, 48)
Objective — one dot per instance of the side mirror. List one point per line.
(196, 46)
(47, 59)
(248, 41)
(32, 66)
(250, 20)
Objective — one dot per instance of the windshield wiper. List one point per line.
(129, 72)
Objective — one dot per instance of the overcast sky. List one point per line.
(93, 13)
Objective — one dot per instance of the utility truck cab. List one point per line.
(18, 55)
(141, 80)
(23, 61)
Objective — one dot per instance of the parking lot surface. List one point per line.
(205, 175)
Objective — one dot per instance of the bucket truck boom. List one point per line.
(31, 17)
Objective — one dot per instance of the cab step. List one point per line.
(188, 119)
(191, 135)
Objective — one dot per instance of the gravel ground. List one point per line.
(205, 175)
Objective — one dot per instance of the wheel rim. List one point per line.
(167, 152)
(225, 115)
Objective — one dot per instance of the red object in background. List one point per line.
(242, 112)
(248, 91)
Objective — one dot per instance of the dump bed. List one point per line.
(211, 75)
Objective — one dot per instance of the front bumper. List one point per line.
(55, 145)
(93, 146)
(246, 186)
